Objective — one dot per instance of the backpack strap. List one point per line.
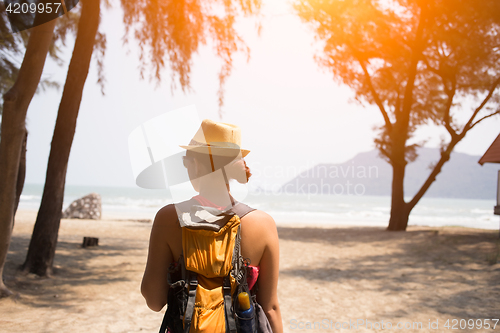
(241, 209)
(193, 285)
(230, 321)
(238, 271)
(177, 277)
(164, 323)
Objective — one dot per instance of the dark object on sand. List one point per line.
(90, 241)
(87, 207)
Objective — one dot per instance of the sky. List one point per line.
(291, 112)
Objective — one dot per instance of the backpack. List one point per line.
(209, 275)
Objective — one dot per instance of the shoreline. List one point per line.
(147, 217)
(136, 203)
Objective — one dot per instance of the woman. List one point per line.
(212, 159)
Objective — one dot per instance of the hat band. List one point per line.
(196, 143)
(215, 144)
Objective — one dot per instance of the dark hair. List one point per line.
(233, 171)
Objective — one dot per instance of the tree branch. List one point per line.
(376, 97)
(412, 74)
(449, 102)
(469, 125)
(449, 92)
(432, 69)
(490, 115)
(445, 156)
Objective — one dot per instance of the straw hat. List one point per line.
(217, 139)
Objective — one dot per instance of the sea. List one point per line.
(288, 208)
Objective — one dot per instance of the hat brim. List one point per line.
(220, 151)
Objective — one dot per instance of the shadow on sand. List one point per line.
(73, 266)
(427, 264)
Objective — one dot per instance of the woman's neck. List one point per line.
(220, 199)
(219, 195)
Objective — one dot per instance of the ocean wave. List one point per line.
(27, 197)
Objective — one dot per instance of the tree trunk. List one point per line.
(21, 174)
(399, 208)
(16, 102)
(41, 252)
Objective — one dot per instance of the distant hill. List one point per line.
(368, 174)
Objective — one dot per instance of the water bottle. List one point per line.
(246, 314)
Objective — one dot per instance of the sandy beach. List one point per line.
(331, 279)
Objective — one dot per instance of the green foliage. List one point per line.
(99, 53)
(415, 59)
(66, 26)
(174, 30)
(11, 47)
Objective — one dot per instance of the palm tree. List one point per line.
(13, 130)
(18, 84)
(44, 238)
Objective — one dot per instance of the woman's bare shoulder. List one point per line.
(260, 214)
(260, 219)
(167, 217)
(167, 210)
